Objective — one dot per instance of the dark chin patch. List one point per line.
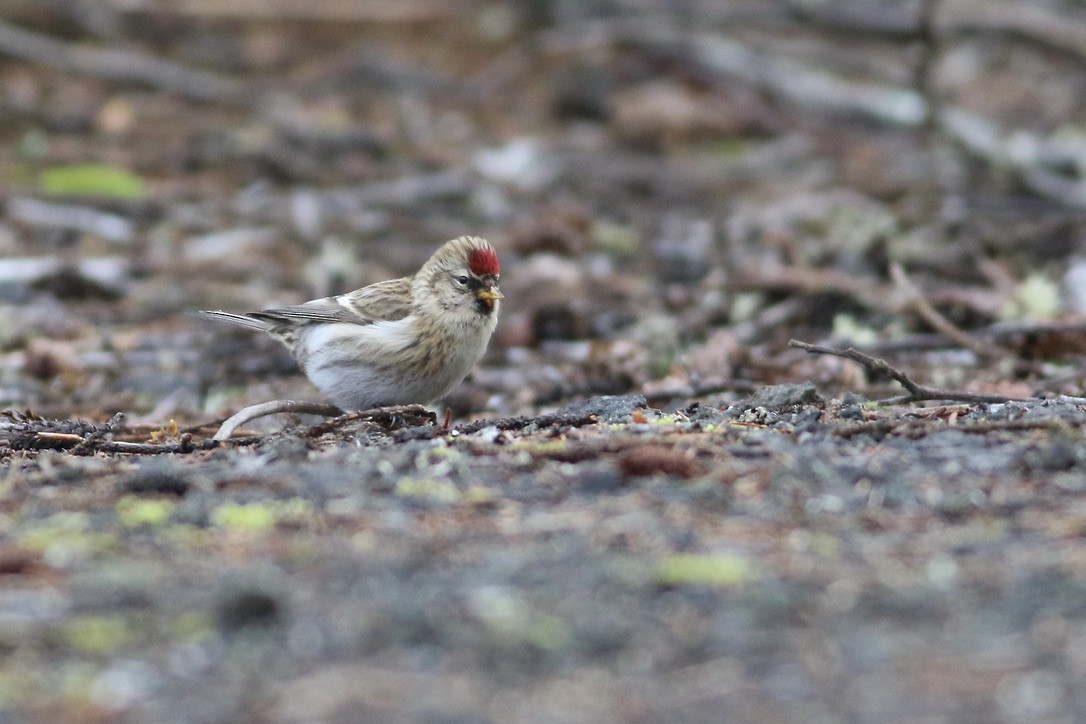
(485, 307)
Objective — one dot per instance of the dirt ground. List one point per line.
(649, 506)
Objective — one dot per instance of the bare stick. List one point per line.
(351, 11)
(120, 65)
(1000, 332)
(933, 317)
(395, 416)
(917, 393)
(271, 408)
(929, 51)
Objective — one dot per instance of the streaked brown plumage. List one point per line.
(396, 342)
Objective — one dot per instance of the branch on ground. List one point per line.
(917, 393)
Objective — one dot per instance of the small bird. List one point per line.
(398, 342)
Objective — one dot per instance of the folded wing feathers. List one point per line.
(307, 313)
(384, 301)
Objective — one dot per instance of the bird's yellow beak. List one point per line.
(488, 295)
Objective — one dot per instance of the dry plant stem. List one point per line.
(917, 393)
(119, 65)
(390, 417)
(93, 444)
(931, 315)
(929, 51)
(1000, 331)
(807, 281)
(919, 429)
(866, 292)
(272, 408)
(354, 11)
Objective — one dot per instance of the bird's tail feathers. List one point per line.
(242, 320)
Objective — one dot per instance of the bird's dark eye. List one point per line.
(462, 280)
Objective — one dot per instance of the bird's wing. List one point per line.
(384, 301)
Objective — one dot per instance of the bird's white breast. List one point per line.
(356, 365)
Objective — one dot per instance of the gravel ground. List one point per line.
(787, 558)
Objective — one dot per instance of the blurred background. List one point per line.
(675, 190)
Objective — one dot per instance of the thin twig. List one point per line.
(389, 417)
(339, 11)
(929, 51)
(918, 429)
(252, 412)
(998, 332)
(80, 445)
(917, 393)
(807, 281)
(933, 317)
(138, 448)
(117, 65)
(61, 438)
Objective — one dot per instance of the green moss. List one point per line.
(67, 521)
(296, 510)
(846, 326)
(1036, 298)
(191, 626)
(745, 305)
(92, 180)
(97, 634)
(446, 452)
(184, 536)
(64, 536)
(732, 149)
(441, 491)
(510, 621)
(722, 569)
(545, 447)
(481, 495)
(259, 516)
(244, 516)
(546, 632)
(616, 239)
(134, 511)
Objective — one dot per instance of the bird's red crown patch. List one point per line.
(482, 262)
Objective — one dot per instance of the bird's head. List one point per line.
(461, 278)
